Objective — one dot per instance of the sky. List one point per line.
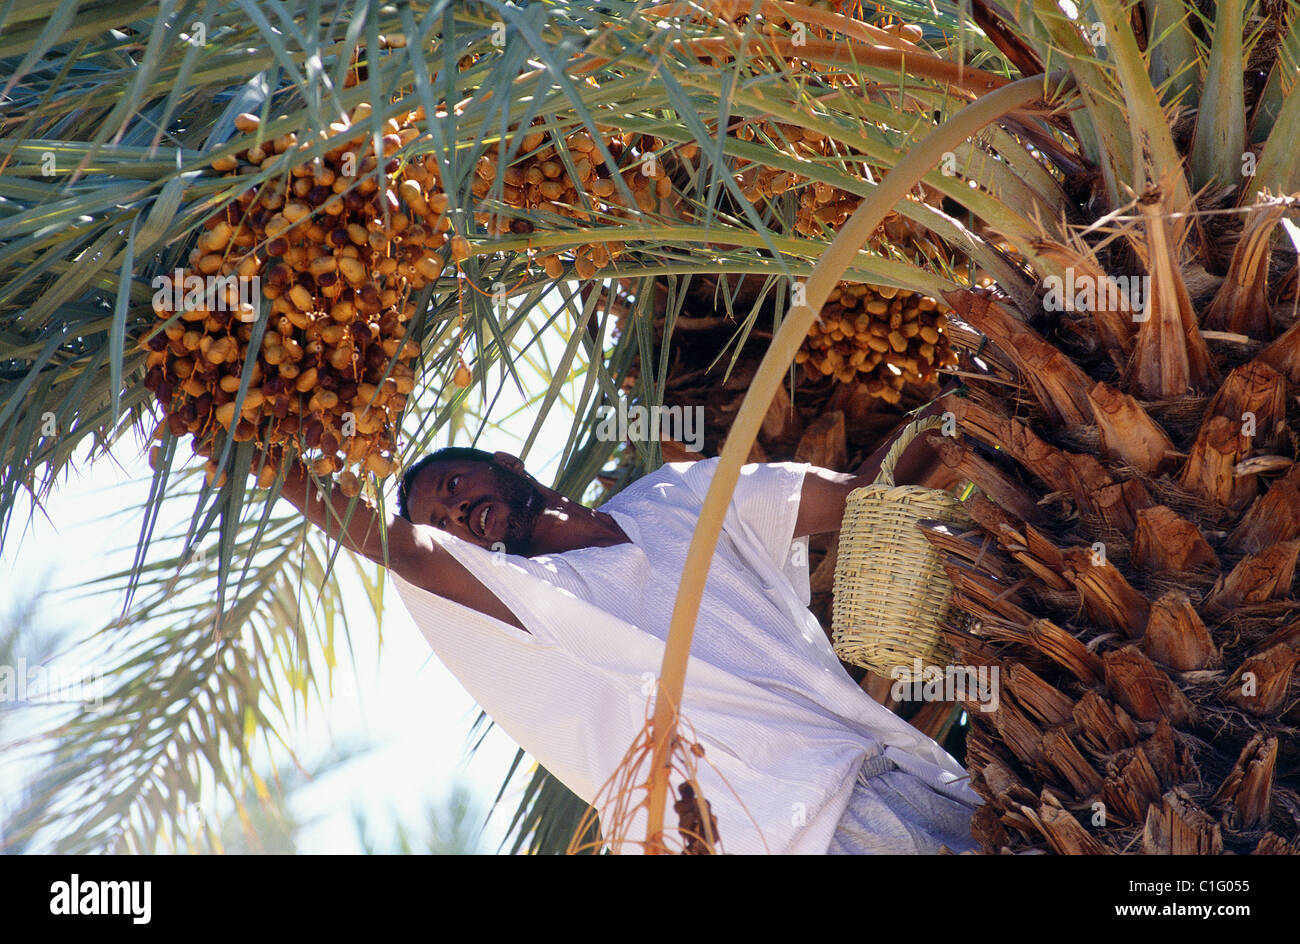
(401, 701)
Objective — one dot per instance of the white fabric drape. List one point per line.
(778, 717)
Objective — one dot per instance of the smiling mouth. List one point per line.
(478, 518)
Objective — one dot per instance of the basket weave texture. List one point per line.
(891, 593)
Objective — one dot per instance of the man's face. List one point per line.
(480, 502)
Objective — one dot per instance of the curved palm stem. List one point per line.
(771, 373)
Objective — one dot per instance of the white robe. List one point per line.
(776, 713)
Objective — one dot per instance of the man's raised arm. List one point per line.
(822, 501)
(412, 553)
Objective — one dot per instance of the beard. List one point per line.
(524, 501)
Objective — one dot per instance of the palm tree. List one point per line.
(115, 126)
(1136, 500)
(1130, 575)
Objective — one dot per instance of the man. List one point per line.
(553, 616)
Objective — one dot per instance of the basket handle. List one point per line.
(904, 439)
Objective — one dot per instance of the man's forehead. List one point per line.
(429, 476)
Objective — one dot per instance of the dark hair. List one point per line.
(445, 454)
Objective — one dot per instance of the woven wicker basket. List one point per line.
(891, 593)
